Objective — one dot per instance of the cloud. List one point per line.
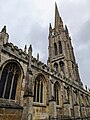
(82, 44)
(38, 37)
(27, 23)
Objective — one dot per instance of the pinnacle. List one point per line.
(4, 29)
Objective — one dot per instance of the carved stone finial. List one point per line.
(38, 56)
(30, 50)
(25, 48)
(86, 87)
(4, 29)
(66, 30)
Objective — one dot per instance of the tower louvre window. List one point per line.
(56, 67)
(8, 82)
(55, 49)
(62, 66)
(60, 47)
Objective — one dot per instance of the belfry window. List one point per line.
(8, 82)
(62, 66)
(60, 47)
(55, 49)
(56, 92)
(38, 89)
(56, 67)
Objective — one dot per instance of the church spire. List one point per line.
(58, 19)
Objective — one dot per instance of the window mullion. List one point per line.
(11, 86)
(40, 92)
(5, 85)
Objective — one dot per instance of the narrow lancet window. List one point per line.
(55, 49)
(60, 47)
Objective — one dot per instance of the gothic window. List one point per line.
(62, 66)
(60, 47)
(8, 82)
(38, 89)
(55, 49)
(56, 67)
(56, 92)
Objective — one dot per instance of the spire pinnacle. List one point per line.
(66, 29)
(50, 26)
(58, 19)
(25, 48)
(50, 29)
(4, 29)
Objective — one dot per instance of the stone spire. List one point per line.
(58, 20)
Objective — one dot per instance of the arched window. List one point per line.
(38, 89)
(56, 67)
(56, 92)
(60, 47)
(9, 79)
(55, 49)
(62, 66)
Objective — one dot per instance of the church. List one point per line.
(33, 90)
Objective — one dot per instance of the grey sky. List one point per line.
(27, 22)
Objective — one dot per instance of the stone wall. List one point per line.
(10, 114)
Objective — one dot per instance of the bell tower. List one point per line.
(61, 55)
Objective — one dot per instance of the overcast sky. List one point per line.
(27, 22)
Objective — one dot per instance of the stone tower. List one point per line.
(61, 55)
